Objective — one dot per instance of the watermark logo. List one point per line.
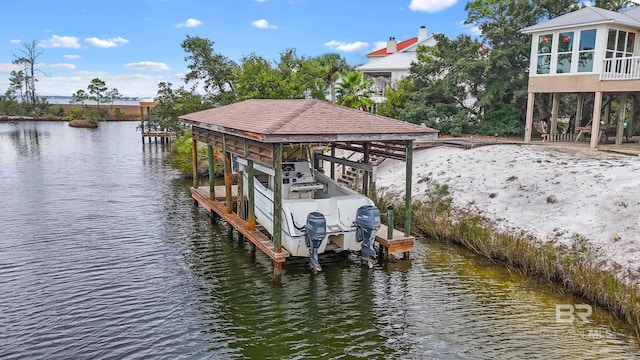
(567, 313)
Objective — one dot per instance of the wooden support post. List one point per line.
(632, 117)
(240, 197)
(227, 181)
(595, 122)
(333, 165)
(529, 118)
(252, 201)
(622, 114)
(212, 189)
(277, 198)
(390, 222)
(554, 114)
(194, 161)
(365, 174)
(407, 195)
(277, 271)
(142, 123)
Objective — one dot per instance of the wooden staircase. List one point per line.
(350, 177)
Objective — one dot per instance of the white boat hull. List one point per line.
(338, 204)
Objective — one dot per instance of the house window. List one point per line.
(620, 44)
(565, 45)
(545, 45)
(586, 50)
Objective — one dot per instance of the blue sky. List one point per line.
(132, 45)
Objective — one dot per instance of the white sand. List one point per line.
(597, 194)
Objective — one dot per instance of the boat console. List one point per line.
(298, 181)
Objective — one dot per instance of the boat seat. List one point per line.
(297, 187)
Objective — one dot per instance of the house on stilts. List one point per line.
(592, 55)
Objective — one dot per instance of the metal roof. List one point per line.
(282, 121)
(590, 15)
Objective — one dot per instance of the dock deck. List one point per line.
(398, 244)
(260, 240)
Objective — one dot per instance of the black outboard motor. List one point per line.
(315, 232)
(367, 224)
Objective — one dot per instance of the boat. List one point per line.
(318, 214)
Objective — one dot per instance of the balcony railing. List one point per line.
(624, 68)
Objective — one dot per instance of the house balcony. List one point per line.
(622, 68)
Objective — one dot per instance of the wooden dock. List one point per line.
(260, 240)
(397, 244)
(163, 136)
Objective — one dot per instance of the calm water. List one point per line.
(103, 255)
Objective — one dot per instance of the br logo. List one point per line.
(567, 313)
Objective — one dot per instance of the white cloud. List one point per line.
(56, 41)
(106, 43)
(62, 66)
(15, 41)
(430, 6)
(263, 24)
(72, 57)
(147, 66)
(8, 67)
(475, 30)
(472, 29)
(190, 22)
(379, 45)
(347, 47)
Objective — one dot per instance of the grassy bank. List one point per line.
(580, 268)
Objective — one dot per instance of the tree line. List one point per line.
(462, 85)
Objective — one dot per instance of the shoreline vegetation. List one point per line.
(130, 113)
(584, 266)
(577, 269)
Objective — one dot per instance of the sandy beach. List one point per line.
(551, 194)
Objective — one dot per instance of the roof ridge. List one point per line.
(308, 103)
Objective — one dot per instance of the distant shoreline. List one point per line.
(131, 113)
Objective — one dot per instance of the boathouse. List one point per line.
(591, 54)
(258, 130)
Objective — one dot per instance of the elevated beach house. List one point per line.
(391, 63)
(591, 53)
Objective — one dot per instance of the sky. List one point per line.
(133, 45)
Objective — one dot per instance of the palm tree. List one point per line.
(333, 65)
(354, 91)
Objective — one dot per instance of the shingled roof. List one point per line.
(302, 120)
(590, 15)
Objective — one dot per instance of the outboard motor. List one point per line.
(315, 232)
(367, 224)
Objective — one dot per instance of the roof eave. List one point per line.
(314, 138)
(571, 26)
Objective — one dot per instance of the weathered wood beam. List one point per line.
(277, 198)
(252, 197)
(622, 114)
(595, 121)
(407, 195)
(227, 181)
(529, 117)
(211, 172)
(353, 164)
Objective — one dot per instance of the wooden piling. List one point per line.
(252, 198)
(277, 198)
(407, 195)
(227, 181)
